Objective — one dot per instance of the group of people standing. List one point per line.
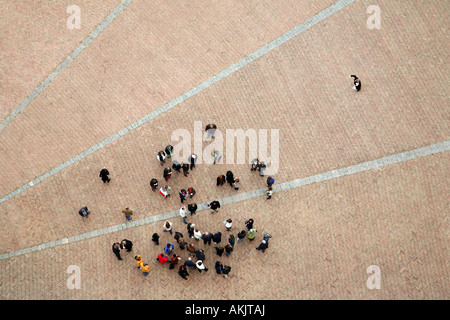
(166, 190)
(168, 255)
(196, 256)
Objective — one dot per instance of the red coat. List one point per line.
(162, 259)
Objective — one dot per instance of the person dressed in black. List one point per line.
(219, 267)
(190, 229)
(176, 166)
(217, 237)
(155, 238)
(104, 173)
(200, 254)
(154, 184)
(207, 237)
(214, 206)
(249, 223)
(220, 180)
(178, 235)
(228, 249)
(84, 212)
(230, 177)
(189, 263)
(183, 195)
(116, 250)
(167, 173)
(126, 244)
(182, 271)
(263, 246)
(241, 236)
(192, 207)
(185, 168)
(219, 251)
(226, 270)
(356, 82)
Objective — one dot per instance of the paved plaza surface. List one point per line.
(325, 234)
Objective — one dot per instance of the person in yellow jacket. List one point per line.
(145, 269)
(139, 261)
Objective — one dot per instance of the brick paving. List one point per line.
(35, 39)
(325, 235)
(101, 91)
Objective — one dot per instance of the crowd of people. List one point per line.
(169, 253)
(196, 257)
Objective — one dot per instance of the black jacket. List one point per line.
(104, 173)
(200, 254)
(207, 237)
(214, 205)
(190, 229)
(217, 237)
(230, 177)
(116, 247)
(242, 234)
(192, 207)
(128, 244)
(219, 251)
(154, 183)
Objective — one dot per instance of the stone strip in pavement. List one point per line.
(189, 94)
(329, 175)
(83, 45)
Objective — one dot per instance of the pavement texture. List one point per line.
(324, 235)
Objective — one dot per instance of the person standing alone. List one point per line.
(104, 173)
(128, 213)
(356, 82)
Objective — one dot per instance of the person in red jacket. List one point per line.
(162, 258)
(174, 260)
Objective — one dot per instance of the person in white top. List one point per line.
(183, 214)
(168, 226)
(200, 266)
(269, 193)
(228, 224)
(197, 234)
(161, 156)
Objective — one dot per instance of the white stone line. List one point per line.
(83, 45)
(332, 174)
